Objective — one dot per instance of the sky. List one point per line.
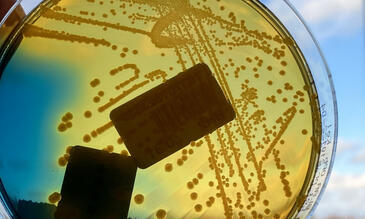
(338, 25)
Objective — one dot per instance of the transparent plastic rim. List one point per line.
(5, 204)
(9, 12)
(316, 188)
(326, 159)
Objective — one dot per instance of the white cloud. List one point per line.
(350, 156)
(346, 181)
(345, 145)
(317, 11)
(351, 153)
(329, 18)
(345, 192)
(359, 158)
(344, 197)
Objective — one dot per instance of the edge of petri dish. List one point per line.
(303, 207)
(328, 107)
(304, 67)
(7, 210)
(330, 166)
(11, 10)
(6, 207)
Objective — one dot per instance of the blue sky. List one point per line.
(338, 25)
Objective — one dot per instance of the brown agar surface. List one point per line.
(254, 166)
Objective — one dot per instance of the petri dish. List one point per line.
(68, 63)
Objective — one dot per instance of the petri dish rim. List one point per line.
(334, 102)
